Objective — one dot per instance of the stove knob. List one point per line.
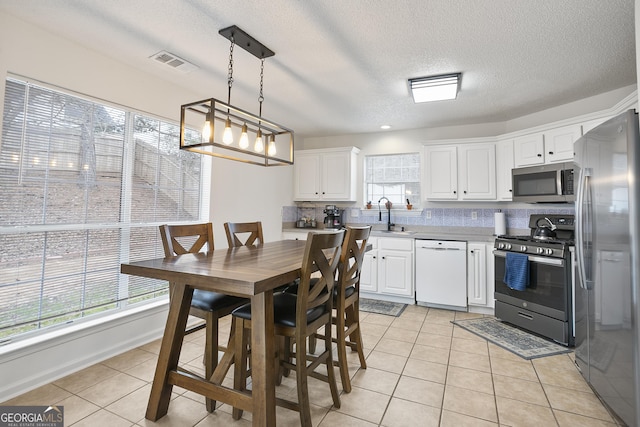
(540, 250)
(549, 251)
(507, 246)
(500, 245)
(523, 248)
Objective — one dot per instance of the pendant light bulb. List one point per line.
(244, 138)
(272, 146)
(258, 147)
(227, 136)
(206, 131)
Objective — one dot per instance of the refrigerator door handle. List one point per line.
(584, 217)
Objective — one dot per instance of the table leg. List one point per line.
(262, 362)
(180, 302)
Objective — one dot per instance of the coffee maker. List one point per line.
(333, 218)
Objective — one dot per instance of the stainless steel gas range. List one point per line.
(545, 305)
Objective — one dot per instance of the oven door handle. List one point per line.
(539, 259)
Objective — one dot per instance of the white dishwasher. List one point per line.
(441, 274)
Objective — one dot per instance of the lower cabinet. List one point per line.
(387, 270)
(480, 277)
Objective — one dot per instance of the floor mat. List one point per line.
(382, 307)
(517, 341)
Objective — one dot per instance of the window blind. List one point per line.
(395, 176)
(84, 186)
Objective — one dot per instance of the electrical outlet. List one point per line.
(428, 214)
(474, 216)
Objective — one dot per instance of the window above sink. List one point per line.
(394, 176)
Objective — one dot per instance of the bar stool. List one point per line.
(347, 300)
(236, 230)
(296, 317)
(207, 305)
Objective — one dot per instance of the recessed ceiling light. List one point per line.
(435, 88)
(385, 127)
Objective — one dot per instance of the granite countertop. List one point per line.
(468, 234)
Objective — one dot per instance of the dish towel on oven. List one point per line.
(516, 272)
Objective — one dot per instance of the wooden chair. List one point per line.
(210, 306)
(347, 300)
(236, 230)
(298, 316)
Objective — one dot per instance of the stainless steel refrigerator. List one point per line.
(607, 167)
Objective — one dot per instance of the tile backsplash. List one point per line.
(445, 217)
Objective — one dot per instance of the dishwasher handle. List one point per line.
(440, 249)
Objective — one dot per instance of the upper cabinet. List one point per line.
(477, 171)
(461, 171)
(528, 150)
(554, 145)
(504, 164)
(325, 174)
(442, 172)
(558, 143)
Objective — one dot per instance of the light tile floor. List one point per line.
(422, 371)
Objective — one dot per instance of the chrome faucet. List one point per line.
(389, 224)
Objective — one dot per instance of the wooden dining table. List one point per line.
(246, 271)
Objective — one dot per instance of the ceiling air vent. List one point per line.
(173, 61)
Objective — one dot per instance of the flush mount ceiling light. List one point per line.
(216, 120)
(435, 88)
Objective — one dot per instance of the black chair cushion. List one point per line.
(212, 301)
(284, 310)
(350, 290)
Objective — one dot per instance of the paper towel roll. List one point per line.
(500, 223)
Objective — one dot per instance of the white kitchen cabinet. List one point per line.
(558, 143)
(387, 270)
(442, 172)
(325, 174)
(528, 150)
(551, 146)
(369, 272)
(504, 164)
(294, 235)
(476, 274)
(461, 171)
(477, 172)
(480, 277)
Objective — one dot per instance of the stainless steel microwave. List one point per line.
(552, 183)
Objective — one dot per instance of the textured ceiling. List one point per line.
(342, 66)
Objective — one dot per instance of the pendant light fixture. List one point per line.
(218, 119)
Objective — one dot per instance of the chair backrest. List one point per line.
(321, 255)
(351, 258)
(183, 239)
(235, 230)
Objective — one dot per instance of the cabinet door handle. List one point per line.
(465, 191)
(510, 190)
(454, 191)
(373, 257)
(551, 152)
(539, 155)
(323, 192)
(383, 257)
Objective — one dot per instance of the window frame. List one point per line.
(398, 201)
(124, 224)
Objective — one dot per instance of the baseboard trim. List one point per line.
(26, 365)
